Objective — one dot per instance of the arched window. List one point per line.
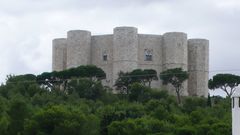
(148, 54)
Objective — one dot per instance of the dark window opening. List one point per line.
(148, 57)
(104, 57)
(239, 102)
(233, 102)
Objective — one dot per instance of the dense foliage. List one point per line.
(144, 77)
(88, 108)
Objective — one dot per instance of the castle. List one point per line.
(126, 50)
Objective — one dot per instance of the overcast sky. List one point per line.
(27, 27)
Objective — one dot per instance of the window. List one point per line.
(148, 54)
(239, 102)
(233, 102)
(105, 56)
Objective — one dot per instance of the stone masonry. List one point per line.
(126, 50)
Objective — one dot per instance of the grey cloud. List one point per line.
(13, 7)
(28, 26)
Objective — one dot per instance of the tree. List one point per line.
(220, 129)
(225, 82)
(85, 71)
(88, 109)
(55, 79)
(61, 120)
(185, 131)
(123, 82)
(87, 88)
(4, 119)
(191, 104)
(144, 76)
(176, 77)
(136, 76)
(93, 72)
(17, 112)
(139, 126)
(150, 75)
(25, 84)
(139, 92)
(47, 79)
(21, 78)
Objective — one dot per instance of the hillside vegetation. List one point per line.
(82, 106)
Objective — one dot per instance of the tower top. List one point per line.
(236, 93)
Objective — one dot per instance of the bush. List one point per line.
(186, 131)
(139, 92)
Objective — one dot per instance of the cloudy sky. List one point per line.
(27, 27)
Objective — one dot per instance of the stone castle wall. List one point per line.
(125, 50)
(100, 45)
(198, 59)
(59, 54)
(175, 55)
(154, 44)
(78, 48)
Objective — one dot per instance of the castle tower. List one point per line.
(175, 55)
(78, 48)
(198, 67)
(236, 113)
(125, 50)
(59, 54)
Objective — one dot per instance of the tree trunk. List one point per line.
(178, 96)
(149, 84)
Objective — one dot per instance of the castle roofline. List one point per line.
(125, 27)
(99, 35)
(197, 39)
(57, 39)
(149, 34)
(175, 33)
(78, 31)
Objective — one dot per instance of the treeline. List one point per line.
(62, 103)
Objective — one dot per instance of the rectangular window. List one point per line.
(233, 102)
(148, 58)
(104, 57)
(239, 102)
(148, 54)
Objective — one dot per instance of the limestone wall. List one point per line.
(125, 50)
(78, 48)
(103, 45)
(175, 55)
(59, 53)
(152, 43)
(198, 59)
